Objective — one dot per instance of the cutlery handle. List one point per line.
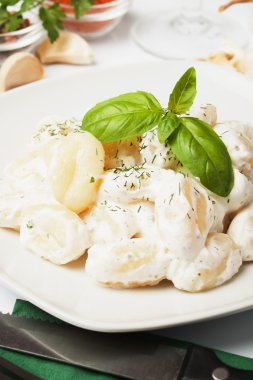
(202, 364)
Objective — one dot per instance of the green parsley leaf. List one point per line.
(92, 179)
(124, 116)
(81, 6)
(203, 153)
(8, 3)
(51, 17)
(184, 92)
(29, 224)
(27, 5)
(52, 20)
(13, 23)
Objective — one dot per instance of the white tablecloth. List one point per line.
(234, 333)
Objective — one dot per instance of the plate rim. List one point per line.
(107, 326)
(162, 323)
(84, 70)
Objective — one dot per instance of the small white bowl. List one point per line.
(21, 39)
(99, 20)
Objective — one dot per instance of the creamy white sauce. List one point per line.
(53, 232)
(145, 221)
(241, 231)
(238, 138)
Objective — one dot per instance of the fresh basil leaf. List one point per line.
(167, 126)
(124, 116)
(184, 92)
(204, 154)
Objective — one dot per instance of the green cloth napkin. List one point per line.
(50, 370)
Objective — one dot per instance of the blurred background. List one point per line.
(122, 31)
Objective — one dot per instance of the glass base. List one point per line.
(193, 26)
(169, 34)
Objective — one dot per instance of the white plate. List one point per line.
(66, 291)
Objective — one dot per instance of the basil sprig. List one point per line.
(194, 142)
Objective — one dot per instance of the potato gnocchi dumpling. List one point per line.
(143, 212)
(107, 222)
(13, 206)
(26, 173)
(184, 214)
(127, 263)
(54, 126)
(53, 232)
(206, 112)
(129, 184)
(216, 263)
(241, 231)
(74, 170)
(225, 208)
(130, 204)
(238, 138)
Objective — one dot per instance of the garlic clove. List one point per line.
(18, 69)
(68, 48)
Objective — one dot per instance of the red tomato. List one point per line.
(95, 2)
(102, 1)
(62, 1)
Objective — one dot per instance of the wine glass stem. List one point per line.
(191, 8)
(191, 21)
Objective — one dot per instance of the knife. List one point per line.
(138, 356)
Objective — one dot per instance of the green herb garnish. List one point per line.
(192, 141)
(92, 179)
(51, 16)
(29, 224)
(204, 154)
(167, 125)
(184, 92)
(124, 116)
(81, 6)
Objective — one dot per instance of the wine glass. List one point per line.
(187, 33)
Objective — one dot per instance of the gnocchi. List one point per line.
(53, 232)
(74, 167)
(129, 206)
